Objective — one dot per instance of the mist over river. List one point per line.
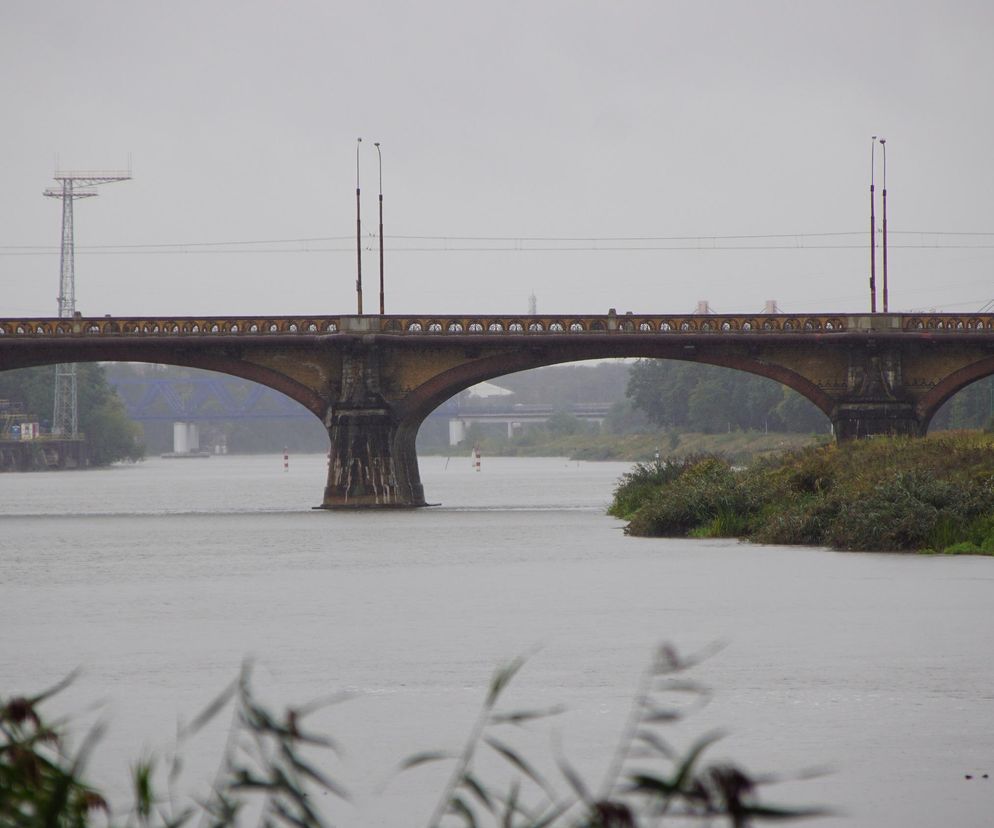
(159, 579)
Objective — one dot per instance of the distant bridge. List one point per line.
(149, 399)
(515, 416)
(373, 379)
(212, 399)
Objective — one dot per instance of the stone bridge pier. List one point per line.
(875, 400)
(895, 384)
(372, 462)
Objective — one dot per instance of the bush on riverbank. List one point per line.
(885, 494)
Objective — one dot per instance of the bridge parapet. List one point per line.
(177, 326)
(610, 323)
(455, 326)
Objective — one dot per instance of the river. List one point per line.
(159, 579)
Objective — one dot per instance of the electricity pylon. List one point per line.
(65, 417)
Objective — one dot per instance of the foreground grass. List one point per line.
(269, 776)
(886, 494)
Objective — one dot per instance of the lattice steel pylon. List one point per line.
(65, 415)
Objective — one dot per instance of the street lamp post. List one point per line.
(358, 233)
(379, 157)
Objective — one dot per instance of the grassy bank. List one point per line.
(740, 447)
(885, 494)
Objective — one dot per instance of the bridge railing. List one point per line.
(447, 326)
(609, 323)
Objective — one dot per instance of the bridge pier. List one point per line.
(854, 421)
(373, 462)
(876, 400)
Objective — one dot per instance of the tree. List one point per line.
(795, 413)
(710, 398)
(972, 407)
(660, 388)
(562, 424)
(110, 435)
(709, 405)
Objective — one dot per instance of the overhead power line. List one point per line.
(518, 249)
(528, 244)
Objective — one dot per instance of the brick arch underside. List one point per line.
(427, 397)
(164, 356)
(928, 405)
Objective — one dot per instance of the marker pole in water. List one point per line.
(476, 457)
(286, 460)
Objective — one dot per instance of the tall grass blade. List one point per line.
(518, 762)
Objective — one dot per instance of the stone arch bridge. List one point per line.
(373, 379)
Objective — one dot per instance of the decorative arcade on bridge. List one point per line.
(373, 379)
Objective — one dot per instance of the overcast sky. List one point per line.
(553, 132)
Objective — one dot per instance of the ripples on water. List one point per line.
(159, 578)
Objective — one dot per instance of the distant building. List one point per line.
(488, 389)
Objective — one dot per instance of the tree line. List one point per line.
(110, 435)
(707, 398)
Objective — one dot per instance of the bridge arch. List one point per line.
(221, 364)
(928, 406)
(424, 399)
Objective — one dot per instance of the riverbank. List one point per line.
(934, 494)
(740, 447)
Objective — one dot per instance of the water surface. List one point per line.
(159, 579)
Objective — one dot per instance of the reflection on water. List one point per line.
(158, 579)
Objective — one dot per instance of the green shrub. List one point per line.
(963, 548)
(643, 480)
(701, 491)
(888, 494)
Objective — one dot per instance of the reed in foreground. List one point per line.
(266, 776)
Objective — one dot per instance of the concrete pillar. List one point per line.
(181, 444)
(193, 437)
(457, 432)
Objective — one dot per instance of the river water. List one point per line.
(159, 579)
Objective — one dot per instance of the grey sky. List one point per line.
(578, 121)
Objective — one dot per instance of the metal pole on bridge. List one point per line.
(883, 144)
(358, 233)
(379, 157)
(873, 234)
